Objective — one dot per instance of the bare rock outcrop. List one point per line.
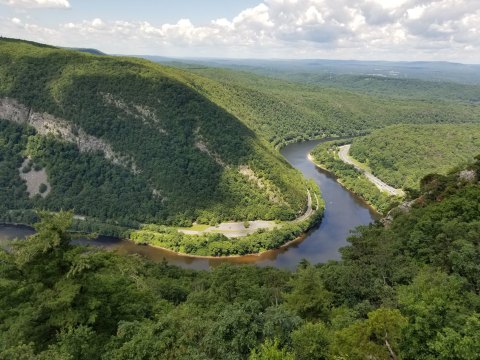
(45, 124)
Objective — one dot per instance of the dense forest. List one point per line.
(285, 111)
(406, 289)
(167, 154)
(378, 84)
(402, 155)
(325, 155)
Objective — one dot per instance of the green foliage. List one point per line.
(402, 155)
(311, 341)
(408, 290)
(42, 188)
(326, 156)
(318, 110)
(376, 337)
(271, 351)
(308, 297)
(13, 192)
(179, 154)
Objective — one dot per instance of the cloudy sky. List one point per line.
(329, 29)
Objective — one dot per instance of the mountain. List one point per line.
(435, 71)
(127, 141)
(284, 111)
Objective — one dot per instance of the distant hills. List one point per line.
(422, 70)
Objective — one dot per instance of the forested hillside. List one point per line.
(402, 155)
(284, 111)
(409, 290)
(127, 141)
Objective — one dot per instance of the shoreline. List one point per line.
(338, 180)
(211, 257)
(226, 257)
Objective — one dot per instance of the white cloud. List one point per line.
(364, 29)
(37, 3)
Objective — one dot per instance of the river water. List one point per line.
(344, 211)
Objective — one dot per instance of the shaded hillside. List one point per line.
(128, 140)
(402, 155)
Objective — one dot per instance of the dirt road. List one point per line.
(238, 229)
(345, 157)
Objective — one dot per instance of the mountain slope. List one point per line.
(127, 140)
(284, 111)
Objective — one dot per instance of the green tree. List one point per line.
(270, 351)
(311, 341)
(378, 337)
(308, 297)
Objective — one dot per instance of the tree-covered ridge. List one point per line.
(402, 155)
(187, 151)
(392, 86)
(409, 290)
(284, 111)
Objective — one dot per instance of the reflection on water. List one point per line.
(344, 211)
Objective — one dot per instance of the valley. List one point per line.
(343, 212)
(239, 180)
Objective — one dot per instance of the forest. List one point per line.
(180, 154)
(402, 155)
(311, 110)
(407, 289)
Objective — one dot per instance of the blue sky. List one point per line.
(335, 29)
(159, 11)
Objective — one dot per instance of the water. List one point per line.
(344, 211)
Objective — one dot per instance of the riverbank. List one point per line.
(326, 157)
(218, 244)
(343, 212)
(343, 154)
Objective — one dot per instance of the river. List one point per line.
(344, 211)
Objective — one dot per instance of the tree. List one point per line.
(270, 351)
(377, 337)
(311, 341)
(308, 296)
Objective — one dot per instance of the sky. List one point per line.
(447, 30)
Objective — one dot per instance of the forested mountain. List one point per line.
(402, 155)
(126, 140)
(408, 289)
(285, 111)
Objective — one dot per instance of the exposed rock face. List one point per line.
(202, 146)
(45, 124)
(468, 176)
(141, 112)
(403, 208)
(245, 170)
(34, 178)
